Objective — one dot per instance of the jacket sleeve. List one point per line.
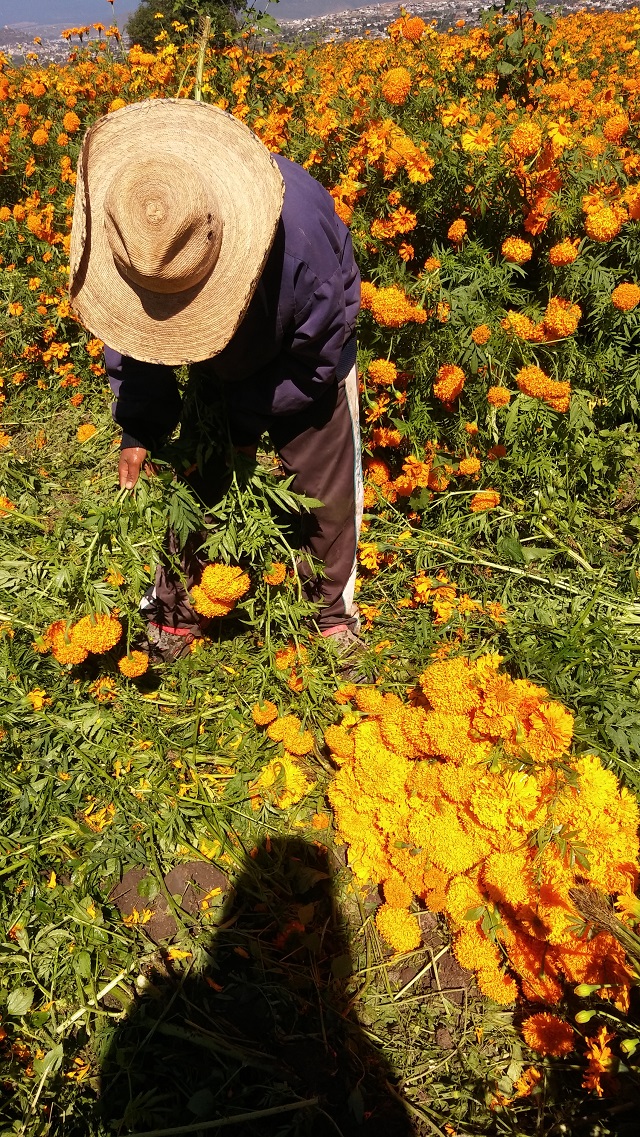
(147, 401)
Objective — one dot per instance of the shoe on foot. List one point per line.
(350, 649)
(165, 647)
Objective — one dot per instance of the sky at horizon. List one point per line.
(78, 12)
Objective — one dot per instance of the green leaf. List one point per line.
(20, 1001)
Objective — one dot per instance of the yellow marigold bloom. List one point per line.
(498, 986)
(561, 317)
(86, 431)
(548, 1034)
(383, 372)
(533, 382)
(276, 574)
(114, 576)
(397, 892)
(616, 127)
(103, 689)
(219, 590)
(457, 231)
(498, 396)
(516, 250)
(38, 698)
(484, 500)
(134, 664)
(203, 603)
(264, 713)
(367, 293)
(520, 325)
(391, 308)
(551, 732)
(526, 139)
(471, 428)
(396, 85)
(283, 782)
(564, 253)
(469, 466)
(97, 633)
(398, 927)
(340, 743)
(603, 224)
(449, 382)
(116, 104)
(625, 297)
(481, 334)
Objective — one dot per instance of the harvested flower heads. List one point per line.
(447, 798)
(219, 590)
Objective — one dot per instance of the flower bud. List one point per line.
(584, 1016)
(629, 1046)
(585, 989)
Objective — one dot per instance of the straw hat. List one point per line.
(176, 209)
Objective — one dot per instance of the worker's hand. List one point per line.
(131, 459)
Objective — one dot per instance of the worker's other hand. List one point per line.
(131, 459)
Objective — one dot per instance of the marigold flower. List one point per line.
(383, 372)
(134, 664)
(98, 633)
(616, 127)
(276, 573)
(219, 590)
(561, 317)
(481, 334)
(520, 325)
(625, 297)
(6, 506)
(603, 224)
(103, 689)
(413, 29)
(516, 250)
(498, 396)
(114, 576)
(391, 308)
(282, 781)
(85, 431)
(564, 253)
(532, 381)
(432, 264)
(548, 1034)
(449, 382)
(395, 85)
(484, 500)
(398, 927)
(264, 713)
(40, 137)
(526, 139)
(469, 466)
(457, 231)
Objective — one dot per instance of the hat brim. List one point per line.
(189, 326)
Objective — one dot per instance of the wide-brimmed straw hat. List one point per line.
(177, 205)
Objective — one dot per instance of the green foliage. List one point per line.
(179, 18)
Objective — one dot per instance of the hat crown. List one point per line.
(162, 223)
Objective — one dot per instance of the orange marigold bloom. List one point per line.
(86, 431)
(561, 317)
(396, 85)
(71, 122)
(564, 253)
(526, 139)
(615, 127)
(64, 643)
(481, 334)
(5, 506)
(413, 29)
(432, 264)
(603, 224)
(469, 466)
(484, 500)
(383, 372)
(520, 325)
(40, 137)
(97, 633)
(391, 308)
(398, 927)
(219, 590)
(625, 297)
(367, 293)
(264, 713)
(457, 231)
(516, 250)
(533, 382)
(276, 573)
(134, 664)
(548, 1034)
(498, 396)
(449, 382)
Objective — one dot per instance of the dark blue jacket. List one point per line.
(289, 345)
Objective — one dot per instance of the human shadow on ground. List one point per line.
(264, 1021)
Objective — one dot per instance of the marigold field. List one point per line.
(240, 889)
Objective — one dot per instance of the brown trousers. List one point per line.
(321, 448)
